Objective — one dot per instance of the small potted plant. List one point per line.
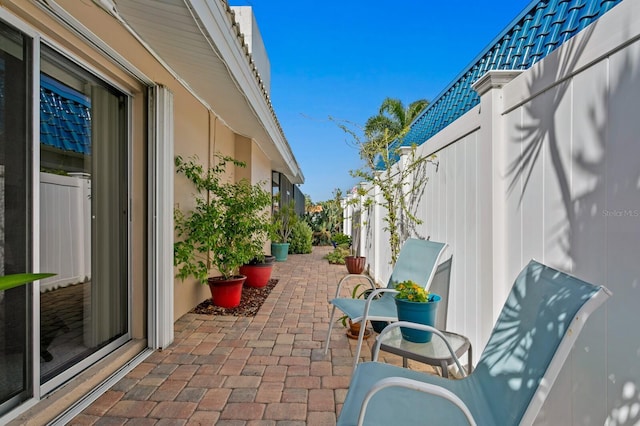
(284, 218)
(353, 328)
(354, 262)
(226, 229)
(417, 305)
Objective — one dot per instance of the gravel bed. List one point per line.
(250, 302)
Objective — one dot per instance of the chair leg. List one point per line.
(363, 329)
(444, 369)
(326, 344)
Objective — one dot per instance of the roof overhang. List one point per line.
(201, 44)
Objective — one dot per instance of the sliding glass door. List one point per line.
(15, 211)
(66, 142)
(84, 214)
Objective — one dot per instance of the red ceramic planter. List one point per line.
(226, 293)
(257, 275)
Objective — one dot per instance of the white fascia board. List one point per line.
(212, 15)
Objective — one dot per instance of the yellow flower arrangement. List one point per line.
(409, 290)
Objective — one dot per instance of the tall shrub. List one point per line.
(301, 238)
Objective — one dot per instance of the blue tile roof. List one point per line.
(65, 117)
(540, 29)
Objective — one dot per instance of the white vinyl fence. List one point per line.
(65, 229)
(547, 167)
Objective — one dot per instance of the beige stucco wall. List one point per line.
(257, 170)
(198, 131)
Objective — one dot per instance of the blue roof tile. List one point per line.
(65, 117)
(540, 29)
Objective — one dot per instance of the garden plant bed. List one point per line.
(250, 302)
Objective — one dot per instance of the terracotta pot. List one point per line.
(355, 264)
(226, 293)
(353, 330)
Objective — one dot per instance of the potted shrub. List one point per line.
(226, 228)
(258, 270)
(416, 305)
(284, 218)
(355, 264)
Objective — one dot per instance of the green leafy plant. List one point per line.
(325, 217)
(337, 256)
(301, 237)
(228, 225)
(341, 239)
(14, 280)
(400, 184)
(409, 290)
(284, 219)
(321, 238)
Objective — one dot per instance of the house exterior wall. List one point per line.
(197, 131)
(547, 167)
(257, 168)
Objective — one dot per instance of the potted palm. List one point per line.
(284, 218)
(226, 229)
(417, 305)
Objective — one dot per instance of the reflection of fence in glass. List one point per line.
(65, 229)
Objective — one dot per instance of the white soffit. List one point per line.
(195, 38)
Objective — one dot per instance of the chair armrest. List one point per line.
(417, 386)
(372, 296)
(435, 331)
(348, 277)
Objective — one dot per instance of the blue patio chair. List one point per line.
(530, 342)
(417, 261)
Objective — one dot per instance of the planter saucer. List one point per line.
(367, 333)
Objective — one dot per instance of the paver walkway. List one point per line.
(262, 370)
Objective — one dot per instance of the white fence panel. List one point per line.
(558, 147)
(65, 229)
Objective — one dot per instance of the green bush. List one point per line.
(321, 238)
(337, 256)
(300, 241)
(341, 239)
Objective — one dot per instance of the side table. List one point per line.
(434, 353)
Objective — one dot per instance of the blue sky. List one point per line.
(342, 58)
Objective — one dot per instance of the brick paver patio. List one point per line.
(262, 370)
